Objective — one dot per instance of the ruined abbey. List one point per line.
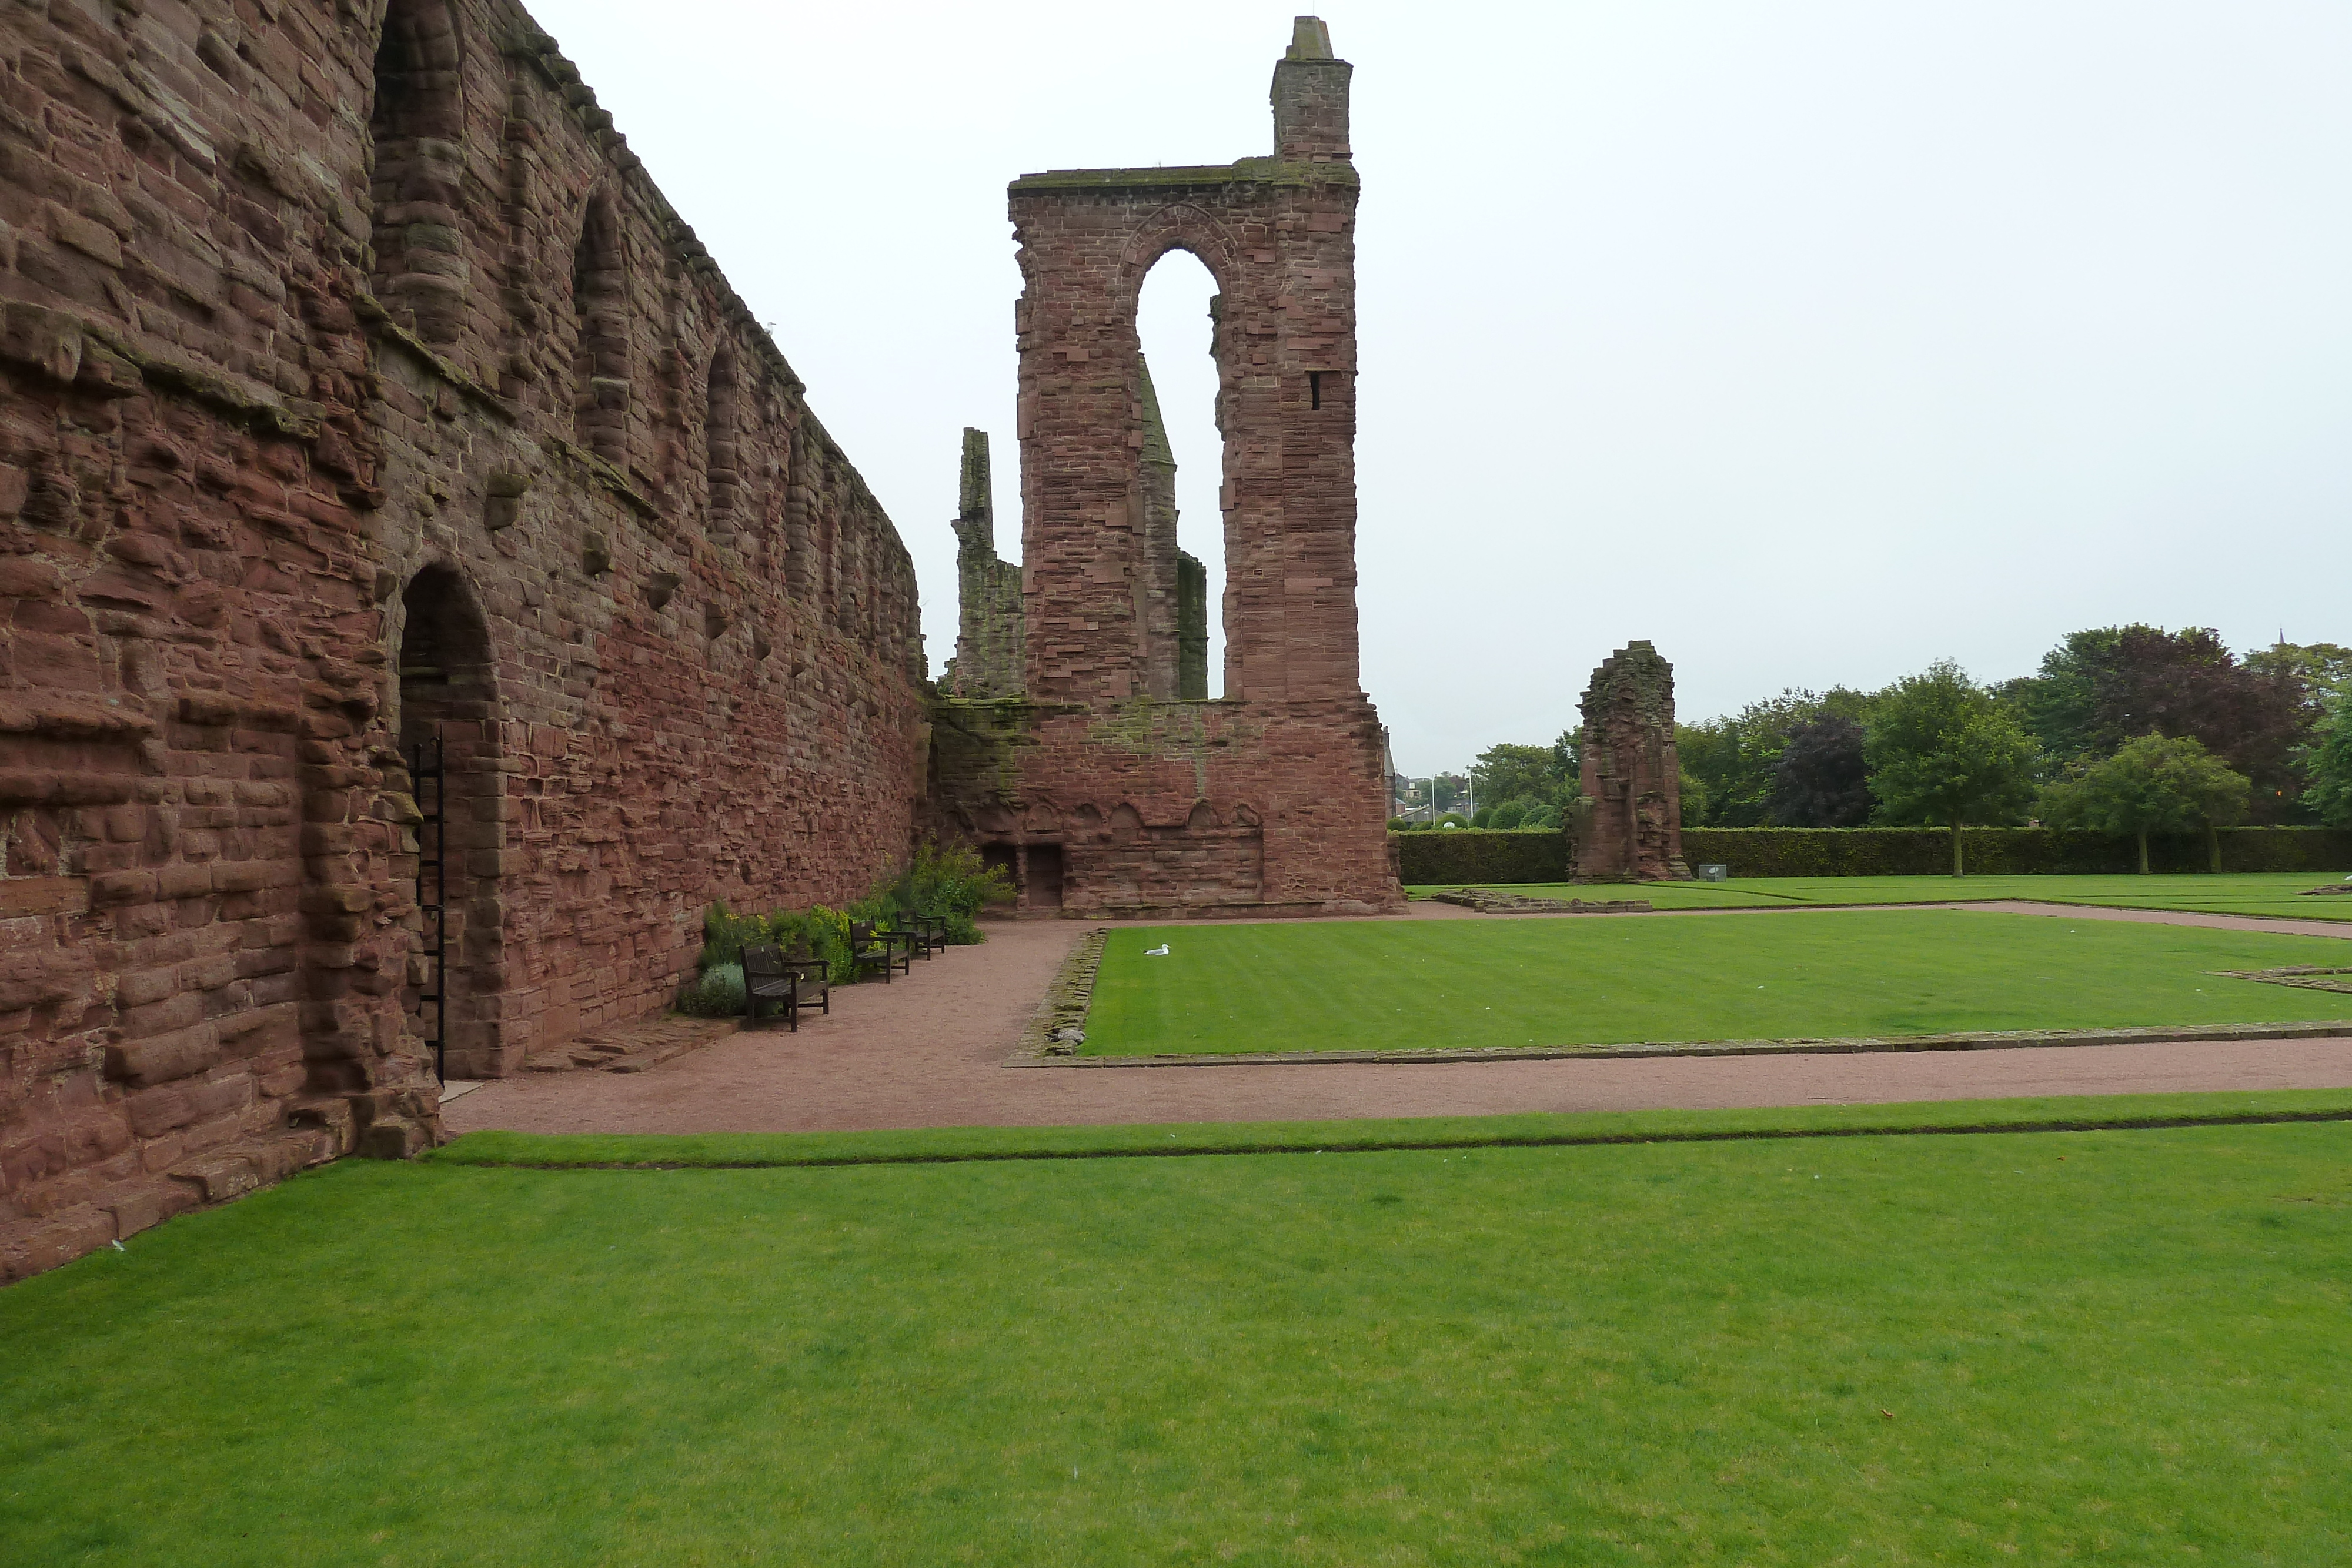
(423, 587)
(1076, 741)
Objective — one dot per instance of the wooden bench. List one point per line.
(768, 979)
(815, 984)
(914, 931)
(792, 984)
(931, 930)
(871, 948)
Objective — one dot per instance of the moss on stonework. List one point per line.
(978, 740)
(1174, 730)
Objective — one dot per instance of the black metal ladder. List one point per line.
(425, 767)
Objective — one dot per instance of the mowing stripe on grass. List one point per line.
(1643, 982)
(1853, 1045)
(945, 1146)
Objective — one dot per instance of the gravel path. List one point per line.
(925, 1052)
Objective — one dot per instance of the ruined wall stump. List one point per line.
(1631, 822)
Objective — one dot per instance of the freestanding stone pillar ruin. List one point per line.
(987, 662)
(1631, 779)
(1113, 785)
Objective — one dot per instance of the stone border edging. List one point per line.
(2087, 1123)
(1066, 1001)
(1963, 901)
(2307, 976)
(1989, 1039)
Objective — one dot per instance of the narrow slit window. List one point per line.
(1314, 388)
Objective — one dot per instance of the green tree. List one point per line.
(1513, 813)
(1734, 759)
(1516, 773)
(1940, 750)
(1694, 800)
(2155, 784)
(2329, 762)
(1568, 756)
(2324, 668)
(2100, 689)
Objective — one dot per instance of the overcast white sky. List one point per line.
(1811, 341)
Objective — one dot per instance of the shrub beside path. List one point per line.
(927, 1051)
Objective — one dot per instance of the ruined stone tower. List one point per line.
(1113, 785)
(987, 662)
(1631, 778)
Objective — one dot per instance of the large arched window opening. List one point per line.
(417, 124)
(600, 360)
(1183, 472)
(449, 713)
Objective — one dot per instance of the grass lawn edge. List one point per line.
(583, 1151)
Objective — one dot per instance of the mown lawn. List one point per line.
(1392, 985)
(2271, 894)
(2107, 1346)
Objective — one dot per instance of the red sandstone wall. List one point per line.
(223, 460)
(1274, 799)
(1196, 809)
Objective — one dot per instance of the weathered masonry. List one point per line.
(1108, 779)
(1631, 779)
(358, 393)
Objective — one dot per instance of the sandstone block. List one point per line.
(58, 1239)
(219, 1177)
(164, 1057)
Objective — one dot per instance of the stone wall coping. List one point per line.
(1244, 171)
(535, 48)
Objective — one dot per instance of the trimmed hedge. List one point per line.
(2004, 852)
(1465, 856)
(1474, 856)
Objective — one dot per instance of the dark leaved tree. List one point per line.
(2101, 689)
(1822, 780)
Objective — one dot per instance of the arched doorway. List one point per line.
(449, 723)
